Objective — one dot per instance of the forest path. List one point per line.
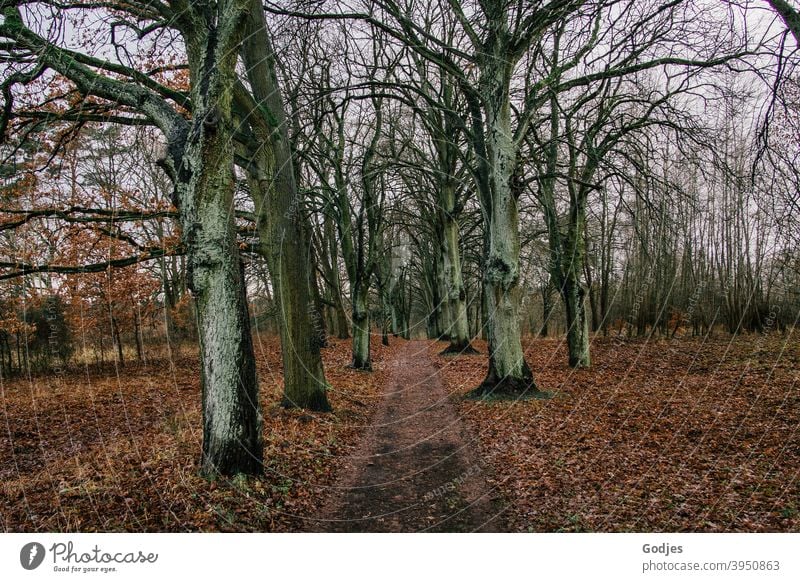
(416, 468)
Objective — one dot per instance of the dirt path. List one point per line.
(415, 469)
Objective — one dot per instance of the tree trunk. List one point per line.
(455, 293)
(574, 295)
(231, 417)
(509, 374)
(340, 316)
(317, 311)
(204, 191)
(361, 359)
(400, 309)
(443, 304)
(386, 312)
(117, 338)
(591, 295)
(281, 244)
(385, 328)
(434, 307)
(283, 238)
(484, 310)
(395, 315)
(137, 333)
(547, 308)
(573, 292)
(341, 320)
(477, 328)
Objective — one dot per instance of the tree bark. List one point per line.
(231, 418)
(284, 239)
(137, 333)
(509, 374)
(574, 295)
(455, 293)
(361, 336)
(442, 303)
(572, 290)
(341, 320)
(335, 277)
(547, 308)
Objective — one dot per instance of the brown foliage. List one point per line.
(118, 451)
(682, 435)
(686, 435)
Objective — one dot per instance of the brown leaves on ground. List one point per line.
(682, 435)
(118, 450)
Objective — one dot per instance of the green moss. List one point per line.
(12, 20)
(268, 115)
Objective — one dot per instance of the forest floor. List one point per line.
(660, 435)
(107, 449)
(680, 435)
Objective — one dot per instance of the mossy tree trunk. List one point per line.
(279, 206)
(509, 374)
(231, 419)
(361, 325)
(455, 292)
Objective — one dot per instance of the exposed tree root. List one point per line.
(508, 388)
(317, 402)
(367, 367)
(459, 350)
